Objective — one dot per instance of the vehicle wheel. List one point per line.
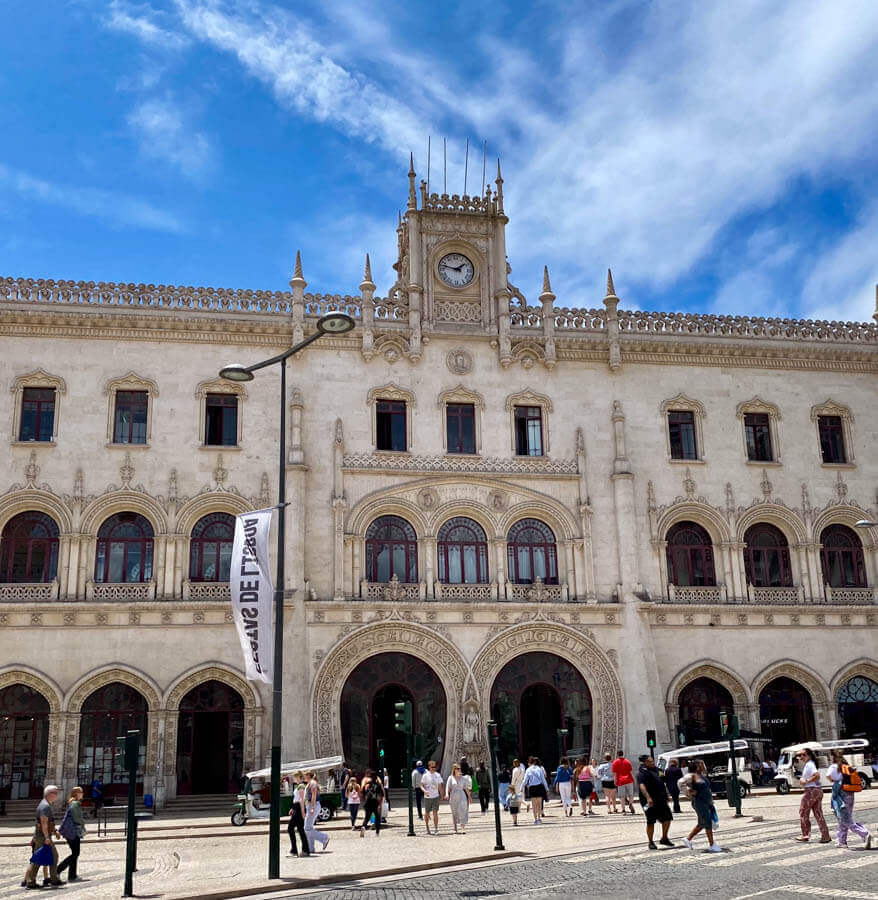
(238, 818)
(783, 787)
(325, 814)
(745, 789)
(867, 782)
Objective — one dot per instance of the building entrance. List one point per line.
(24, 742)
(367, 713)
(786, 713)
(210, 740)
(533, 696)
(701, 703)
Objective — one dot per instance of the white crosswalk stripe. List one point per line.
(857, 862)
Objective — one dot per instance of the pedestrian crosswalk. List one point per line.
(770, 845)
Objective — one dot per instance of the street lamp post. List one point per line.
(332, 323)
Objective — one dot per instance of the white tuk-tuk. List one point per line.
(255, 800)
(716, 760)
(789, 767)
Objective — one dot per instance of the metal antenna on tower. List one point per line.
(444, 169)
(428, 165)
(484, 162)
(465, 167)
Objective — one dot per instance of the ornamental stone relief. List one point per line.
(459, 361)
(404, 637)
(594, 666)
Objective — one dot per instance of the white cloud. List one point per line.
(841, 286)
(142, 21)
(163, 133)
(121, 209)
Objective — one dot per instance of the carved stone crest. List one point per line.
(459, 361)
(428, 498)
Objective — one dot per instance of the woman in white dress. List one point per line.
(457, 789)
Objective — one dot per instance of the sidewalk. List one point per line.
(208, 858)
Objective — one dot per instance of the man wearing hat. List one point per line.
(417, 775)
(44, 831)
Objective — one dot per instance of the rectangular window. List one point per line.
(129, 420)
(681, 431)
(390, 425)
(37, 414)
(221, 420)
(757, 429)
(831, 439)
(528, 431)
(460, 421)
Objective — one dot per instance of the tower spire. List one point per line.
(499, 183)
(298, 278)
(367, 276)
(413, 200)
(611, 290)
(547, 288)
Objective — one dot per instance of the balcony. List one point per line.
(28, 593)
(394, 590)
(702, 594)
(775, 596)
(206, 590)
(465, 592)
(537, 592)
(848, 596)
(110, 592)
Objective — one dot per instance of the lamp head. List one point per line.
(236, 372)
(865, 523)
(335, 323)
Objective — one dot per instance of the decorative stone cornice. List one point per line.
(440, 464)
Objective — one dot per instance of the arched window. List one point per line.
(767, 556)
(858, 709)
(391, 549)
(690, 556)
(842, 557)
(24, 742)
(463, 552)
(210, 548)
(29, 549)
(531, 552)
(124, 551)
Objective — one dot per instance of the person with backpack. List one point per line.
(373, 799)
(73, 831)
(846, 784)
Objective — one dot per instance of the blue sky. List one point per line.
(719, 156)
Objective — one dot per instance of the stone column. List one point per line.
(429, 544)
(547, 298)
(357, 565)
(812, 554)
(500, 556)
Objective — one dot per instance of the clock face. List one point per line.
(455, 269)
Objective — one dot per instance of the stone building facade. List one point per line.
(592, 519)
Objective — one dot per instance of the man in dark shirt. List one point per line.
(655, 797)
(673, 774)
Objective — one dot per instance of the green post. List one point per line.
(734, 786)
(493, 738)
(132, 752)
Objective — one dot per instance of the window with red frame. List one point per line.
(842, 557)
(210, 548)
(460, 423)
(767, 556)
(124, 549)
(29, 549)
(831, 432)
(531, 552)
(463, 552)
(129, 419)
(391, 549)
(37, 414)
(221, 420)
(690, 556)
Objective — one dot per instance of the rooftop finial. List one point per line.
(611, 290)
(499, 176)
(367, 284)
(499, 183)
(298, 279)
(367, 272)
(413, 199)
(547, 288)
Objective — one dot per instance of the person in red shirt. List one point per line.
(623, 775)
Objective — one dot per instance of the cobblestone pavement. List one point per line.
(763, 862)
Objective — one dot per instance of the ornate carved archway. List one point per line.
(407, 637)
(824, 714)
(53, 697)
(707, 669)
(213, 672)
(87, 686)
(580, 650)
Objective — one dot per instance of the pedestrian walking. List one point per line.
(373, 800)
(812, 799)
(517, 778)
(417, 775)
(504, 778)
(431, 784)
(846, 784)
(312, 811)
(673, 774)
(352, 798)
(608, 783)
(483, 780)
(459, 794)
(296, 824)
(44, 834)
(73, 831)
(563, 783)
(346, 776)
(385, 781)
(536, 788)
(513, 804)
(623, 774)
(697, 786)
(97, 797)
(655, 796)
(583, 777)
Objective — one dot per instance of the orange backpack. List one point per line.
(850, 780)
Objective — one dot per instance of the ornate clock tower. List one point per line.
(452, 262)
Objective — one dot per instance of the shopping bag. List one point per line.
(44, 856)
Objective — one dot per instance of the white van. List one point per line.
(716, 759)
(789, 767)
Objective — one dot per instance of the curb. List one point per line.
(290, 884)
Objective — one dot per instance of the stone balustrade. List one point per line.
(852, 596)
(465, 592)
(28, 593)
(207, 590)
(119, 592)
(771, 596)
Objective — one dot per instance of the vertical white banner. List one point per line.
(252, 592)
